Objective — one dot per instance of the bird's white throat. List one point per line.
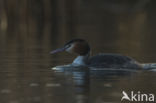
(81, 60)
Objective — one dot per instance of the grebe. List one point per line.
(104, 60)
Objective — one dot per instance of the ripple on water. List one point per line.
(14, 101)
(5, 91)
(34, 85)
(53, 85)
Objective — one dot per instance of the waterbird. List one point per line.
(102, 60)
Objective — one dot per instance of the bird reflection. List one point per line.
(78, 78)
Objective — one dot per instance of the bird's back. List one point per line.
(108, 60)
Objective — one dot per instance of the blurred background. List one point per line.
(30, 29)
(122, 26)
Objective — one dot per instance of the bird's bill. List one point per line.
(57, 50)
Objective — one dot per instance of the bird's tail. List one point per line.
(148, 66)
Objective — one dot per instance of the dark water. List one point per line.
(26, 77)
(27, 35)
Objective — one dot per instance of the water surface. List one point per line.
(28, 34)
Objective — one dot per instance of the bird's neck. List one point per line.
(81, 60)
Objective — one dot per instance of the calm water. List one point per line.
(26, 77)
(27, 35)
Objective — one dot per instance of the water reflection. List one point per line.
(91, 85)
(105, 85)
(93, 71)
(28, 34)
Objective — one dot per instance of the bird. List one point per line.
(103, 60)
